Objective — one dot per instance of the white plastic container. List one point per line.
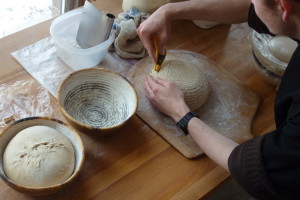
(64, 30)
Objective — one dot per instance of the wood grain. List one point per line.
(136, 163)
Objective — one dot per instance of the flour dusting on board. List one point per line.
(229, 108)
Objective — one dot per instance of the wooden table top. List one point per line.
(137, 163)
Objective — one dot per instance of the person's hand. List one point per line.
(166, 97)
(156, 26)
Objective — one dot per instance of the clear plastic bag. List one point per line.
(24, 98)
(41, 61)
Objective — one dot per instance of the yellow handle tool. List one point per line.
(160, 58)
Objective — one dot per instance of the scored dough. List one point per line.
(282, 48)
(39, 156)
(190, 79)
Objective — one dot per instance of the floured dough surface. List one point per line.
(282, 48)
(190, 79)
(39, 156)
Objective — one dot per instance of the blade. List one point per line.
(95, 26)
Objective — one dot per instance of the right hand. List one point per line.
(158, 26)
(166, 97)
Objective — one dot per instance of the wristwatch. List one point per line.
(183, 122)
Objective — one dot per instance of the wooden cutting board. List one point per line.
(229, 108)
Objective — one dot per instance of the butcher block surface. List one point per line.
(137, 163)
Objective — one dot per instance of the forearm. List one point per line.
(169, 99)
(222, 11)
(216, 146)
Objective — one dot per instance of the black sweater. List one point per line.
(268, 166)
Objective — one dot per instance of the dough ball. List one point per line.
(190, 79)
(205, 24)
(143, 5)
(282, 48)
(39, 156)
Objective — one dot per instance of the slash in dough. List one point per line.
(39, 156)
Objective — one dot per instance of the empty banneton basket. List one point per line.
(97, 100)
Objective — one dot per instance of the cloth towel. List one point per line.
(127, 43)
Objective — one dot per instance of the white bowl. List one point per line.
(97, 100)
(9, 132)
(64, 31)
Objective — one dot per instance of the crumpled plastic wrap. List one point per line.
(24, 98)
(42, 62)
(270, 68)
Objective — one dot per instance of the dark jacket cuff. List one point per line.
(246, 167)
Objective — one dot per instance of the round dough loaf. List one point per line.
(282, 48)
(190, 79)
(39, 156)
(143, 5)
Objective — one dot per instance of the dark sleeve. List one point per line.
(269, 166)
(255, 22)
(271, 162)
(281, 150)
(246, 167)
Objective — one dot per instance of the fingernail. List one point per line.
(161, 51)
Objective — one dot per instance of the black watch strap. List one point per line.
(183, 122)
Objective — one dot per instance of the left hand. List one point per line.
(166, 97)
